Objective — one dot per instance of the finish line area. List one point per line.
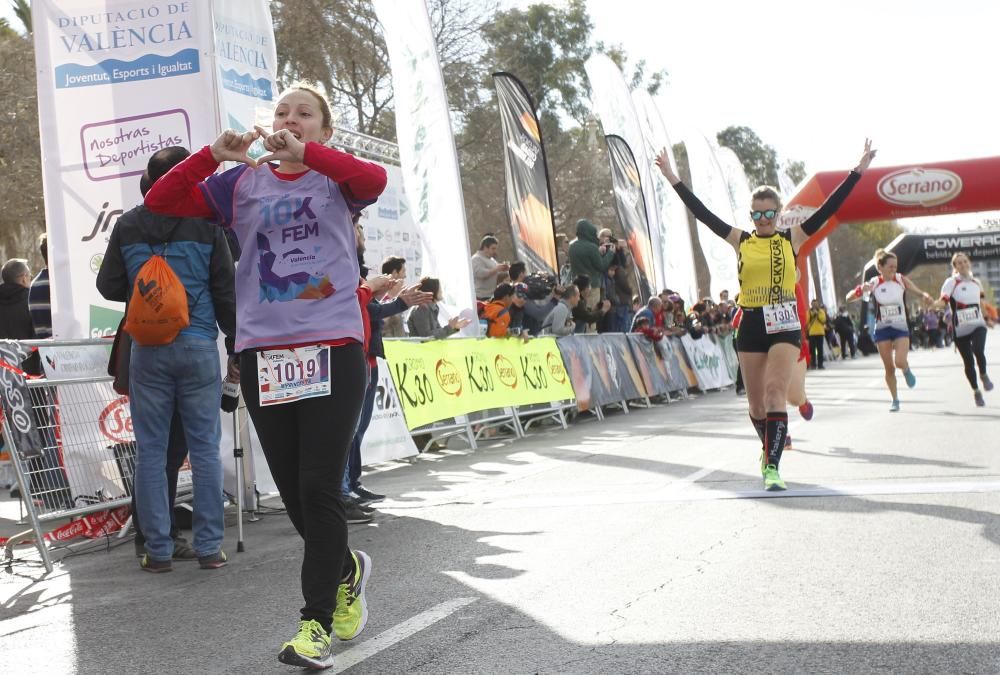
(642, 543)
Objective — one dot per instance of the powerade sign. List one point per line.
(913, 250)
(98, 35)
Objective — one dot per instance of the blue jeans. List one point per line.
(184, 375)
(352, 472)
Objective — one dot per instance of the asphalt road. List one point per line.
(641, 544)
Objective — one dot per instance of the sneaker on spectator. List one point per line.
(183, 550)
(214, 561)
(356, 515)
(367, 495)
(155, 566)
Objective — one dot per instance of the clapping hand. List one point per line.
(866, 158)
(232, 146)
(413, 296)
(395, 289)
(458, 322)
(380, 284)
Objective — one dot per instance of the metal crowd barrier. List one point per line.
(102, 450)
(86, 460)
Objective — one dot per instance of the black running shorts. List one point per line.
(751, 336)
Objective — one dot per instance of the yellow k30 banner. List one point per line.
(441, 379)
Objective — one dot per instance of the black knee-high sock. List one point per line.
(758, 426)
(776, 429)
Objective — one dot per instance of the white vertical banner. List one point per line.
(812, 284)
(786, 186)
(117, 81)
(710, 185)
(246, 65)
(678, 256)
(737, 183)
(824, 269)
(612, 102)
(390, 230)
(427, 150)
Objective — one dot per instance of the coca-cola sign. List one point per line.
(920, 187)
(116, 421)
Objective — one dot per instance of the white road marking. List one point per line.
(687, 492)
(397, 633)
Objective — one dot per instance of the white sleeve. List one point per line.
(948, 287)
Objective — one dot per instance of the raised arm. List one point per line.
(178, 193)
(700, 211)
(836, 199)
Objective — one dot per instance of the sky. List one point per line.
(813, 79)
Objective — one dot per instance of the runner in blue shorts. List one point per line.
(887, 292)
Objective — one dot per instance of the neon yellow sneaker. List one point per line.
(310, 648)
(351, 614)
(763, 461)
(772, 481)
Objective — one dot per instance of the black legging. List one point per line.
(816, 349)
(973, 346)
(306, 445)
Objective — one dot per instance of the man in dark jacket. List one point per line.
(845, 331)
(15, 319)
(183, 375)
(588, 257)
(47, 478)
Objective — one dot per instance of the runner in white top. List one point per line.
(964, 293)
(892, 332)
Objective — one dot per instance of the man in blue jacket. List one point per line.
(183, 375)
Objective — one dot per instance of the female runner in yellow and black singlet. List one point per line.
(769, 337)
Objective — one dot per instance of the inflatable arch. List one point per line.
(884, 193)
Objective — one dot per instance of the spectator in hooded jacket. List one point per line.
(589, 258)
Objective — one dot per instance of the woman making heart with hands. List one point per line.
(300, 331)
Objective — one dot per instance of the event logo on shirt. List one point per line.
(291, 257)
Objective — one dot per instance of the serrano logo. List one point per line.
(448, 377)
(116, 421)
(554, 363)
(920, 187)
(505, 371)
(794, 215)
